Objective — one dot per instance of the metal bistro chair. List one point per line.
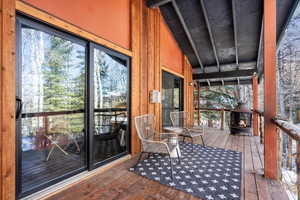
(166, 144)
(181, 120)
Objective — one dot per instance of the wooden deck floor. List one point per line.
(119, 183)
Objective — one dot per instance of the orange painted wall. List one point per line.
(170, 54)
(109, 19)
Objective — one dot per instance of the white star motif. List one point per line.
(209, 197)
(234, 195)
(235, 187)
(212, 188)
(223, 187)
(172, 184)
(222, 196)
(189, 190)
(182, 183)
(201, 189)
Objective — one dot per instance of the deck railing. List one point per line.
(220, 111)
(293, 132)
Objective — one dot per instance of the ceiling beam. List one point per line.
(224, 65)
(232, 82)
(212, 39)
(187, 32)
(157, 3)
(258, 64)
(235, 33)
(227, 74)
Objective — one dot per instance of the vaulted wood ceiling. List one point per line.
(221, 38)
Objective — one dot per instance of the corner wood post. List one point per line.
(270, 134)
(255, 104)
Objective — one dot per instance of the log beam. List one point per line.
(255, 104)
(270, 133)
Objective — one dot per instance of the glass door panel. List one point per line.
(51, 87)
(172, 98)
(111, 87)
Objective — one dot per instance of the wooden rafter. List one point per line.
(227, 74)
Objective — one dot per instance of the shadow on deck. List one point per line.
(119, 183)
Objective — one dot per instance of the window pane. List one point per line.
(110, 105)
(52, 89)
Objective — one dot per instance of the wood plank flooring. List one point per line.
(119, 183)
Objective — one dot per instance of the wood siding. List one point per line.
(107, 19)
(153, 57)
(170, 53)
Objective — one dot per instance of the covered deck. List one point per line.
(166, 53)
(119, 183)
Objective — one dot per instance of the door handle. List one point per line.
(19, 106)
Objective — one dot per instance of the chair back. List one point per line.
(145, 126)
(180, 119)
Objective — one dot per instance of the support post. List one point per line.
(7, 100)
(198, 105)
(222, 120)
(270, 134)
(136, 26)
(255, 104)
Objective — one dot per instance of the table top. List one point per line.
(173, 129)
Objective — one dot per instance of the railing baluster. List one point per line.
(298, 168)
(289, 159)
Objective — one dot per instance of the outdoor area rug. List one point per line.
(208, 173)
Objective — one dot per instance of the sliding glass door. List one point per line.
(72, 105)
(172, 96)
(110, 104)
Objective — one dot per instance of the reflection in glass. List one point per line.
(110, 105)
(171, 96)
(52, 88)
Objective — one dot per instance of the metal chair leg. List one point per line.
(171, 164)
(192, 144)
(178, 156)
(202, 140)
(140, 156)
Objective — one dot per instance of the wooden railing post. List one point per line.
(255, 104)
(261, 129)
(289, 159)
(222, 120)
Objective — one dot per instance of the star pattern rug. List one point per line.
(208, 173)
